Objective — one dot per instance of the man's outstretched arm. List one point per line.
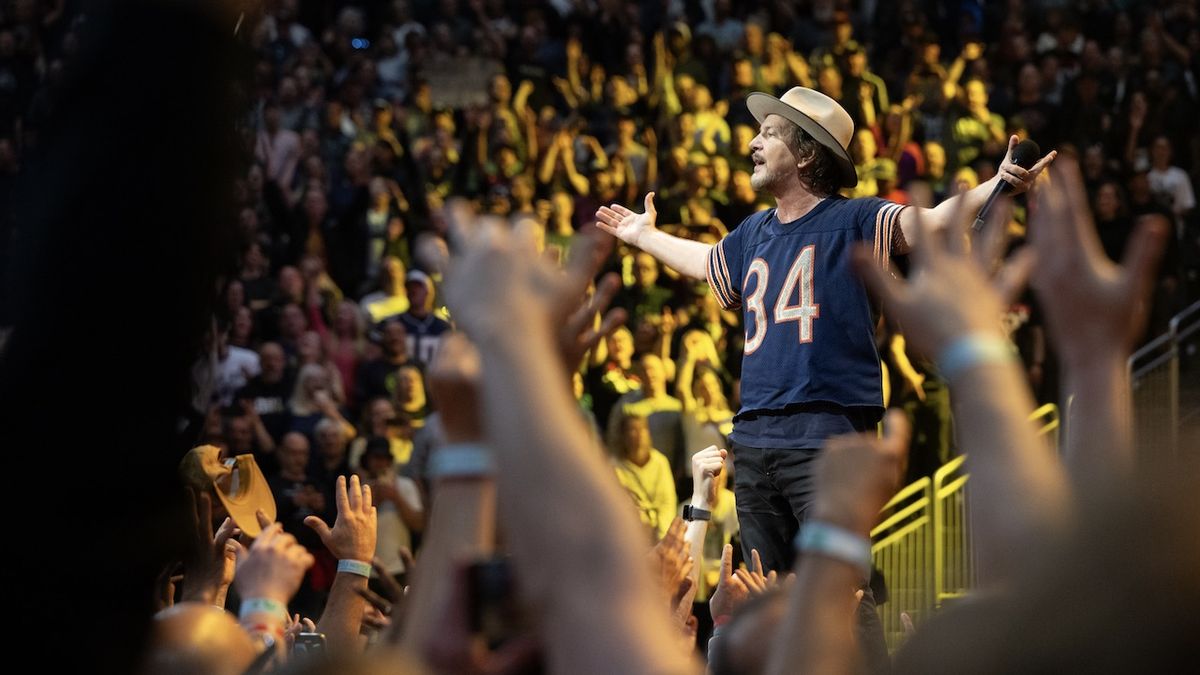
(687, 257)
(942, 216)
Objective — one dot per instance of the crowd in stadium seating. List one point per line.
(340, 362)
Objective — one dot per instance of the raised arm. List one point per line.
(575, 538)
(950, 312)
(687, 257)
(352, 541)
(1096, 311)
(706, 466)
(856, 475)
(943, 215)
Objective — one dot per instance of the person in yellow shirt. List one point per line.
(645, 474)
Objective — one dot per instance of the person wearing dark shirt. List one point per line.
(425, 330)
(259, 287)
(270, 390)
(1113, 223)
(297, 496)
(377, 377)
(613, 378)
(645, 297)
(330, 458)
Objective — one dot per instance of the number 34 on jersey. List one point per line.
(797, 287)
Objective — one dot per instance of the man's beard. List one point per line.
(762, 180)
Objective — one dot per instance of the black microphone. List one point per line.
(1025, 155)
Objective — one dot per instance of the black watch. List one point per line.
(691, 513)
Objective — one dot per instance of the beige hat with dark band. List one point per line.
(816, 113)
(237, 482)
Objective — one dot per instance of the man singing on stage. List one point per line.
(810, 369)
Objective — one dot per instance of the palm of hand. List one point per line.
(731, 593)
(625, 224)
(1094, 307)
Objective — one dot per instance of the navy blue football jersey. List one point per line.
(810, 328)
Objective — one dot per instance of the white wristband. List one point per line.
(834, 542)
(262, 605)
(462, 460)
(973, 350)
(362, 569)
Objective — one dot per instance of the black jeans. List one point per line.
(774, 488)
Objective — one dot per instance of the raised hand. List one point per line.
(625, 224)
(950, 292)
(488, 297)
(453, 387)
(671, 561)
(273, 566)
(1022, 179)
(352, 536)
(296, 625)
(859, 473)
(706, 466)
(209, 567)
(577, 315)
(1095, 308)
(732, 588)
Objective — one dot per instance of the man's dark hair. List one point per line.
(821, 175)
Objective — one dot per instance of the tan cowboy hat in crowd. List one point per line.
(237, 482)
(816, 113)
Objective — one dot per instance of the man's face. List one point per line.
(395, 339)
(292, 323)
(654, 373)
(645, 270)
(620, 345)
(842, 31)
(241, 436)
(977, 98)
(418, 295)
(773, 160)
(626, 128)
(858, 63)
(330, 442)
(293, 456)
(273, 362)
(636, 434)
(291, 282)
(381, 413)
(743, 74)
(1107, 202)
(1160, 152)
(407, 381)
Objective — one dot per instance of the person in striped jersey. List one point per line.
(810, 369)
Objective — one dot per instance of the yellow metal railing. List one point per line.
(922, 545)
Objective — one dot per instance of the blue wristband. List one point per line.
(262, 605)
(973, 350)
(362, 569)
(462, 460)
(834, 542)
